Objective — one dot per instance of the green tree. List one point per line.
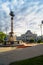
(2, 35)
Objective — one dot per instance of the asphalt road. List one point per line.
(20, 54)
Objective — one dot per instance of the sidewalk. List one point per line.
(20, 54)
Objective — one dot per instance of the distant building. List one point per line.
(40, 37)
(27, 36)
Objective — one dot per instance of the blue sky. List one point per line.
(28, 15)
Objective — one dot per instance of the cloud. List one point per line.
(5, 7)
(28, 14)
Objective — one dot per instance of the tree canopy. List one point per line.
(2, 36)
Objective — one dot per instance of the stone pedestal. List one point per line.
(12, 38)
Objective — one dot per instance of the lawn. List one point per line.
(33, 61)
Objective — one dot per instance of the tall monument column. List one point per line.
(12, 16)
(12, 37)
(12, 25)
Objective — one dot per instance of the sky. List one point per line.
(28, 15)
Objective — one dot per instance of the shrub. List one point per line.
(31, 40)
(39, 41)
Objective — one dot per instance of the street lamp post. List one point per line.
(41, 29)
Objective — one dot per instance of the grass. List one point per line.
(33, 61)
